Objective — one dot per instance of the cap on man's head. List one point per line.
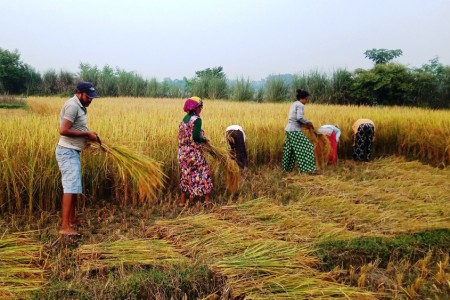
(88, 88)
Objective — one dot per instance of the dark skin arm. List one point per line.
(66, 130)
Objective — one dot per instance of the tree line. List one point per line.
(386, 83)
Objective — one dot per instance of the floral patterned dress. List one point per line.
(195, 174)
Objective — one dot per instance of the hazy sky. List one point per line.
(248, 38)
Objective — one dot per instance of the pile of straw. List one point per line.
(21, 270)
(256, 264)
(144, 172)
(144, 252)
(231, 166)
(321, 144)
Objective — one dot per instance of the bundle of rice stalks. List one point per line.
(321, 144)
(268, 257)
(232, 168)
(299, 286)
(144, 252)
(144, 172)
(21, 270)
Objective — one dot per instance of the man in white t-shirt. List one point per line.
(74, 136)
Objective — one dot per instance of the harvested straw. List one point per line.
(144, 252)
(256, 265)
(20, 267)
(232, 168)
(321, 144)
(144, 172)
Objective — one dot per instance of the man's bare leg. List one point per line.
(67, 203)
(74, 221)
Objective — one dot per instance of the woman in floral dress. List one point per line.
(195, 173)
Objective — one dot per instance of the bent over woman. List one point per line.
(364, 135)
(195, 173)
(297, 146)
(236, 139)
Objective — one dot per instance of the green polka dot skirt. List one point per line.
(298, 147)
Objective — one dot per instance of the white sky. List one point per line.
(248, 38)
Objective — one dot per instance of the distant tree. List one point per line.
(153, 88)
(50, 82)
(13, 72)
(382, 56)
(107, 82)
(89, 73)
(259, 97)
(216, 72)
(124, 83)
(139, 85)
(209, 83)
(341, 83)
(431, 85)
(33, 82)
(388, 84)
(65, 82)
(170, 88)
(130, 84)
(316, 83)
(242, 90)
(276, 90)
(218, 88)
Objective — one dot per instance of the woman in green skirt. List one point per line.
(297, 146)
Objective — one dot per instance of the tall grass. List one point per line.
(30, 177)
(242, 90)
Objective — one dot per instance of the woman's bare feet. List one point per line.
(183, 200)
(207, 201)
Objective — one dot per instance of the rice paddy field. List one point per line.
(377, 230)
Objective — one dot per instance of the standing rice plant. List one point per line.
(29, 172)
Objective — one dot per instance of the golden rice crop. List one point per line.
(321, 146)
(145, 172)
(30, 177)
